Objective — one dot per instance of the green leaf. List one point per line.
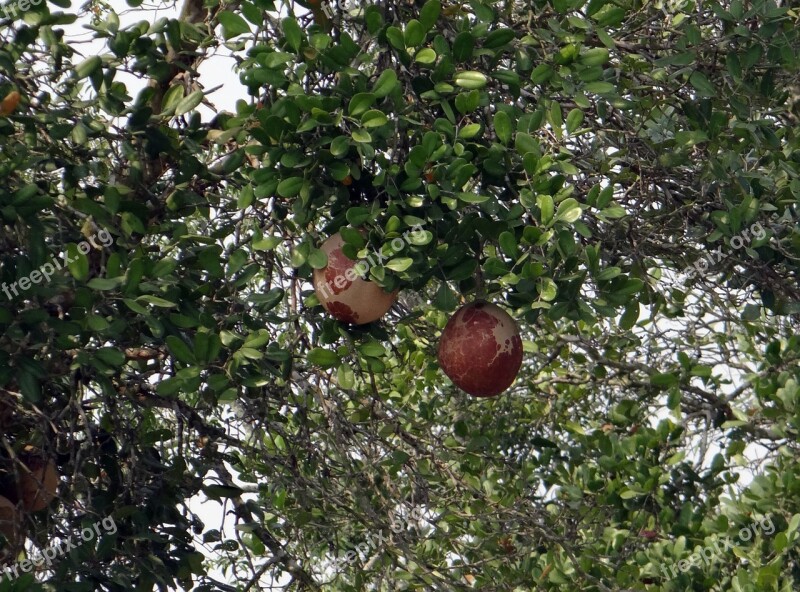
(110, 356)
(105, 284)
(77, 263)
(734, 66)
(445, 299)
(614, 211)
(525, 143)
(232, 24)
(29, 386)
(467, 102)
(473, 198)
(293, 33)
(600, 88)
(569, 210)
(372, 349)
(156, 301)
(462, 271)
(498, 38)
(609, 274)
(360, 103)
(189, 103)
(180, 350)
(345, 376)
(323, 357)
(400, 264)
(541, 73)
(594, 57)
(502, 126)
(555, 118)
(470, 79)
(414, 33)
(547, 288)
(429, 14)
(630, 316)
(574, 120)
(508, 243)
(395, 37)
(251, 13)
(317, 259)
(290, 187)
(425, 56)
(664, 380)
(469, 131)
(374, 118)
(173, 97)
(463, 47)
(545, 204)
(385, 84)
(361, 136)
(374, 18)
(88, 67)
(702, 85)
(630, 494)
(632, 286)
(340, 146)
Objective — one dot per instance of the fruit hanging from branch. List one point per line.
(342, 291)
(480, 349)
(39, 484)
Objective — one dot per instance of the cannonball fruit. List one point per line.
(480, 349)
(39, 484)
(9, 521)
(9, 103)
(343, 293)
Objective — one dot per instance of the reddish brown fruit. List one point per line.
(10, 521)
(39, 484)
(9, 103)
(343, 293)
(480, 349)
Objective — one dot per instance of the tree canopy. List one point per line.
(621, 176)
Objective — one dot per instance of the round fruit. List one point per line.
(9, 103)
(9, 521)
(480, 349)
(39, 484)
(341, 290)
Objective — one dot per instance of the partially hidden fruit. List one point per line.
(10, 103)
(341, 290)
(10, 521)
(480, 349)
(39, 484)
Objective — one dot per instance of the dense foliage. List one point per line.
(622, 176)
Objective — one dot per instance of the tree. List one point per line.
(623, 177)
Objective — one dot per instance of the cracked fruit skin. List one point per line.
(343, 293)
(480, 349)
